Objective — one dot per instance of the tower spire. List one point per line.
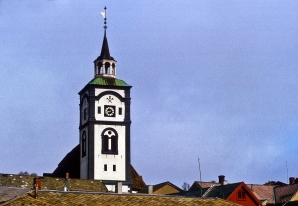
(105, 64)
(105, 52)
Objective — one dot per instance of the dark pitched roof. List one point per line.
(137, 180)
(105, 52)
(69, 164)
(285, 193)
(83, 198)
(276, 183)
(222, 191)
(198, 185)
(264, 193)
(9, 193)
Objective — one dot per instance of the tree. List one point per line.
(23, 173)
(27, 173)
(185, 186)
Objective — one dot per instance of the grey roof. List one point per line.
(9, 193)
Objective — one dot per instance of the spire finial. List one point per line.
(104, 14)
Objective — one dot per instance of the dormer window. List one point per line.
(241, 195)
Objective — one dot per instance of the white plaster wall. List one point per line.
(115, 102)
(84, 160)
(109, 159)
(112, 188)
(119, 91)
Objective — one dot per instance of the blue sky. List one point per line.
(211, 79)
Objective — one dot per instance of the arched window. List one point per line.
(99, 66)
(113, 69)
(84, 144)
(109, 141)
(107, 68)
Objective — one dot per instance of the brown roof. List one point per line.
(285, 193)
(137, 180)
(79, 198)
(163, 188)
(264, 193)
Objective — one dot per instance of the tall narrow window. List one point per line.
(114, 168)
(99, 110)
(85, 113)
(84, 144)
(105, 168)
(120, 110)
(109, 141)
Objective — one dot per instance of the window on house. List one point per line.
(85, 113)
(99, 110)
(120, 110)
(109, 141)
(114, 168)
(83, 144)
(105, 167)
(241, 195)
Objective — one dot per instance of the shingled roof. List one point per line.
(79, 198)
(285, 193)
(265, 193)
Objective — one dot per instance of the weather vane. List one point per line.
(104, 15)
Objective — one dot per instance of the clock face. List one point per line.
(109, 111)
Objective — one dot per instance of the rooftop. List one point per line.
(108, 81)
(80, 198)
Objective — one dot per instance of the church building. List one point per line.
(103, 152)
(105, 123)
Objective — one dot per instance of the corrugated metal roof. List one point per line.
(108, 81)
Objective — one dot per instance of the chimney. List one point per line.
(37, 183)
(291, 180)
(35, 191)
(150, 189)
(119, 187)
(221, 179)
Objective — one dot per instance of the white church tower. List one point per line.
(105, 124)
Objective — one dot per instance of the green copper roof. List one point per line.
(108, 81)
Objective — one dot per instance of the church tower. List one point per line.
(105, 124)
